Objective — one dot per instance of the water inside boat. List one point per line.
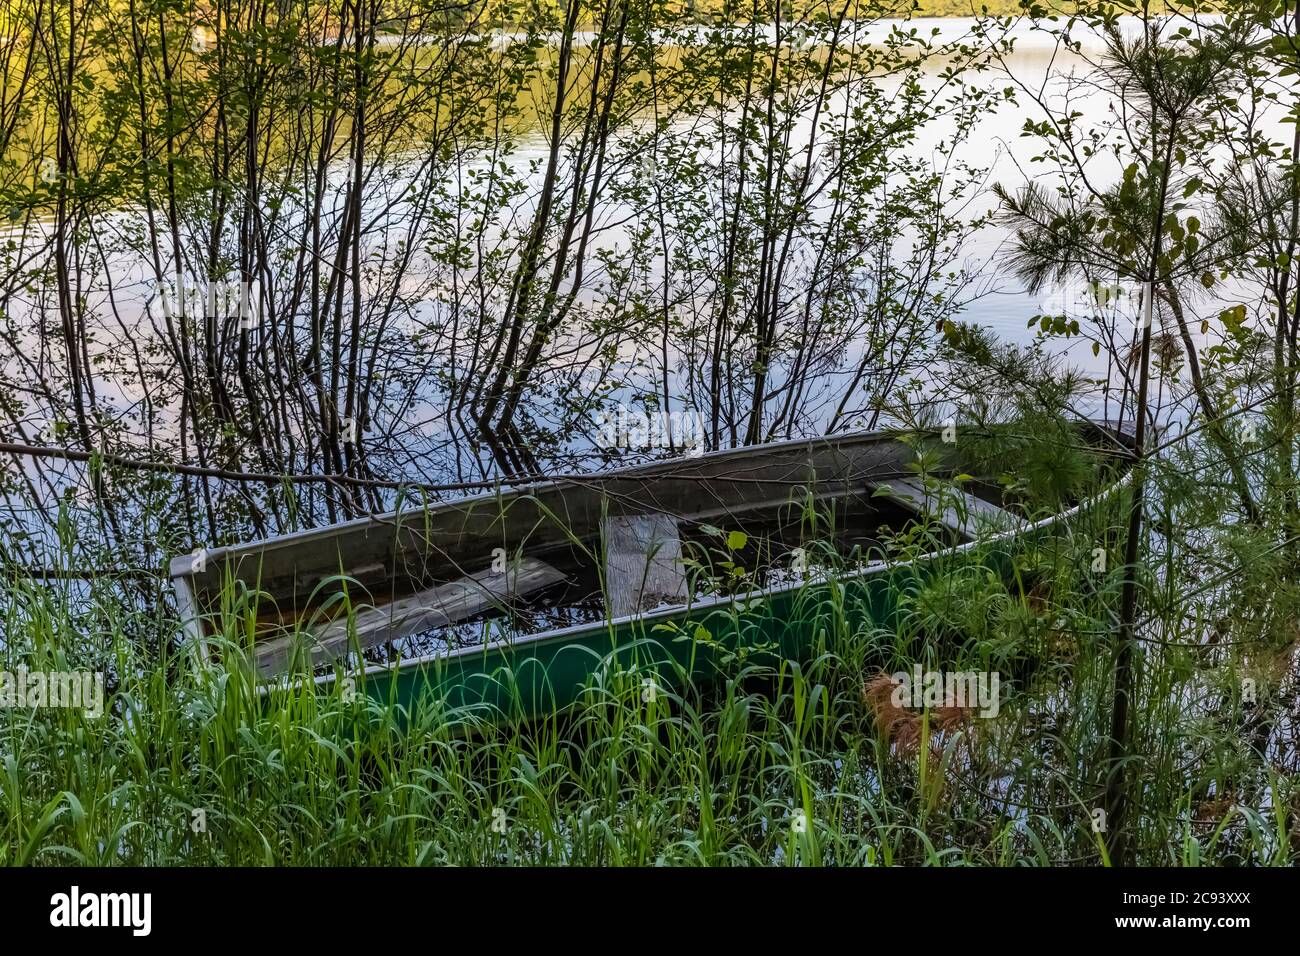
(857, 529)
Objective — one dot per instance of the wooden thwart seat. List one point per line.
(643, 563)
(424, 610)
(956, 509)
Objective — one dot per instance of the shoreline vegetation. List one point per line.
(703, 12)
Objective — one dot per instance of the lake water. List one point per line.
(995, 299)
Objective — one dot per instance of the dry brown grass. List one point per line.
(901, 727)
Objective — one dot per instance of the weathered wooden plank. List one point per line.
(950, 505)
(1120, 431)
(434, 607)
(643, 563)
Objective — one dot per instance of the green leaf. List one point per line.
(1233, 319)
(737, 540)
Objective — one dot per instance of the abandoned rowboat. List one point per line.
(523, 599)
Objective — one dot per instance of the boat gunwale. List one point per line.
(648, 469)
